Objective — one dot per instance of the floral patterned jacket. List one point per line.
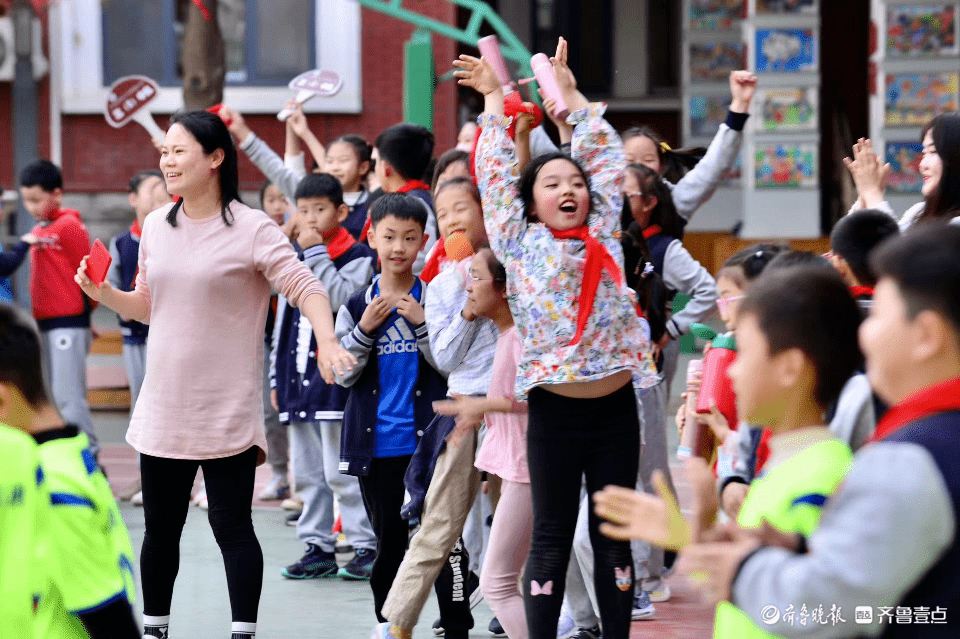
(544, 274)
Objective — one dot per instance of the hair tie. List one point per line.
(665, 147)
(758, 254)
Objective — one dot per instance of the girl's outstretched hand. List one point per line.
(91, 290)
(869, 173)
(743, 85)
(477, 74)
(633, 515)
(565, 78)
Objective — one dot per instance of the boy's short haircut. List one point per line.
(141, 176)
(42, 173)
(20, 363)
(793, 257)
(400, 206)
(810, 308)
(458, 182)
(856, 235)
(320, 185)
(408, 148)
(923, 263)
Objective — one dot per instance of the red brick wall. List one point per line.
(97, 157)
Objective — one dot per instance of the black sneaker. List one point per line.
(587, 633)
(359, 568)
(316, 564)
(495, 628)
(476, 596)
(292, 519)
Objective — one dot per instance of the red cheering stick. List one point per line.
(215, 109)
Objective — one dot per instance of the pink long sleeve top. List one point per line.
(208, 286)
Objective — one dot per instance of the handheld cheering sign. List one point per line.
(128, 100)
(98, 263)
(543, 71)
(490, 50)
(311, 84)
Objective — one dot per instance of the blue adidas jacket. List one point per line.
(360, 414)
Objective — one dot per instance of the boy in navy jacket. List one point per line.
(313, 408)
(395, 382)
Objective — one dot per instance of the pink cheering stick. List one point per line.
(490, 50)
(543, 72)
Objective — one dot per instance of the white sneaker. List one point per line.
(137, 498)
(293, 503)
(276, 490)
(642, 608)
(200, 499)
(660, 594)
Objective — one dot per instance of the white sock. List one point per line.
(156, 626)
(242, 630)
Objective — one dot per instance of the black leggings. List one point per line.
(382, 490)
(567, 439)
(166, 497)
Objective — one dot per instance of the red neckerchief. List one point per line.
(338, 242)
(411, 185)
(861, 291)
(512, 107)
(436, 259)
(937, 399)
(414, 185)
(598, 259)
(650, 231)
(135, 229)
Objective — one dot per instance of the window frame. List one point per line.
(336, 46)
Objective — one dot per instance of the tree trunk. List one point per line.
(204, 62)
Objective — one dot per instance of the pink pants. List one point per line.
(506, 555)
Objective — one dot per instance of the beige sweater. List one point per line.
(208, 286)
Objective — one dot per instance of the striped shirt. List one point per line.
(462, 350)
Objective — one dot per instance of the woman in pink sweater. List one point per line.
(206, 267)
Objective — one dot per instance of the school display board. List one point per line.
(914, 75)
(774, 189)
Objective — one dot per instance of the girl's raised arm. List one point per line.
(496, 166)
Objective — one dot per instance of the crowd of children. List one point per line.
(389, 336)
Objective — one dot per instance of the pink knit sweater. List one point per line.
(208, 286)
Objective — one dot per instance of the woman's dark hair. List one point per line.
(944, 201)
(746, 265)
(674, 164)
(212, 134)
(811, 309)
(664, 214)
(446, 160)
(141, 176)
(529, 177)
(497, 270)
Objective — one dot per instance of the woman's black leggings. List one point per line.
(166, 497)
(568, 439)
